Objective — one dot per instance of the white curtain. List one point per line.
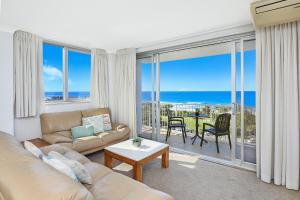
(28, 82)
(124, 88)
(278, 104)
(99, 78)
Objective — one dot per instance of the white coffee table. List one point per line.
(137, 156)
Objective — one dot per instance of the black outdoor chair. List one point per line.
(221, 128)
(175, 122)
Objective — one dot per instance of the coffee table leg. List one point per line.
(165, 159)
(138, 172)
(108, 160)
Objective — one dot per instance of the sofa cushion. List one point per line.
(96, 171)
(95, 111)
(87, 143)
(65, 151)
(111, 136)
(82, 131)
(67, 133)
(61, 121)
(128, 189)
(60, 166)
(95, 121)
(106, 122)
(80, 171)
(56, 138)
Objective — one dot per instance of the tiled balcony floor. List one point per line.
(207, 149)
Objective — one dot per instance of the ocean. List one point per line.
(59, 95)
(202, 97)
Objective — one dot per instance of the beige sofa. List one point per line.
(56, 128)
(25, 177)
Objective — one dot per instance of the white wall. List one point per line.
(6, 83)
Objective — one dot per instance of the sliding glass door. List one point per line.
(214, 79)
(148, 97)
(244, 103)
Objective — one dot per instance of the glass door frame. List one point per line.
(241, 162)
(155, 96)
(155, 99)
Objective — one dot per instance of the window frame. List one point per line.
(65, 54)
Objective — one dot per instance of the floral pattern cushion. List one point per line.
(96, 121)
(106, 122)
(79, 170)
(60, 166)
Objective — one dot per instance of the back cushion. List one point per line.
(95, 111)
(61, 121)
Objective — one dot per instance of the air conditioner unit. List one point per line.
(271, 12)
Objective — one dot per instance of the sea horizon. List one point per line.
(177, 97)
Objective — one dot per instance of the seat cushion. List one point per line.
(111, 136)
(87, 143)
(96, 171)
(127, 189)
(56, 138)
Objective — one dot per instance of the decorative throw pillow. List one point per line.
(79, 170)
(82, 131)
(33, 149)
(96, 121)
(106, 122)
(60, 166)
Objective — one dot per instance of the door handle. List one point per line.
(233, 108)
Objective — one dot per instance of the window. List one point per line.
(53, 72)
(67, 73)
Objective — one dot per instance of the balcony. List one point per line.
(208, 149)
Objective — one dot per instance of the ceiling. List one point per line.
(116, 24)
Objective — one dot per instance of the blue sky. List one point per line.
(211, 73)
(79, 69)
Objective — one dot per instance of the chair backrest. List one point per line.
(169, 113)
(222, 123)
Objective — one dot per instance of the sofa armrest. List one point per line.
(56, 138)
(118, 126)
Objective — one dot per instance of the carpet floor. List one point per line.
(190, 178)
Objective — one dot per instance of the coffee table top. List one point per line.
(128, 150)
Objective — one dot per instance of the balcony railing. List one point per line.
(184, 109)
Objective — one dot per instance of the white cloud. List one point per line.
(52, 73)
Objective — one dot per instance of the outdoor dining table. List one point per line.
(197, 117)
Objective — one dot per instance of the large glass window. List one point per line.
(53, 72)
(66, 73)
(79, 73)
